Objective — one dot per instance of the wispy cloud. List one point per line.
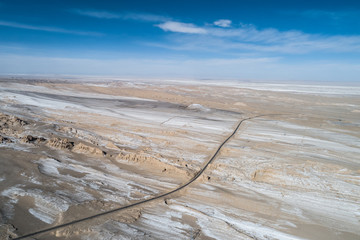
(146, 17)
(249, 38)
(223, 23)
(334, 15)
(171, 26)
(47, 28)
(12, 47)
(95, 13)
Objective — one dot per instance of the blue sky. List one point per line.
(244, 39)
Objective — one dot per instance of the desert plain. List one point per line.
(71, 149)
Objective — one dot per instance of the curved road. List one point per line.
(197, 175)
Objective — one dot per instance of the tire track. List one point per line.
(194, 178)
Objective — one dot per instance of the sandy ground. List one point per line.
(69, 150)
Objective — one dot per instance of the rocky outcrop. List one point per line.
(11, 125)
(33, 139)
(7, 231)
(60, 143)
(155, 163)
(85, 149)
(5, 139)
(137, 157)
(11, 121)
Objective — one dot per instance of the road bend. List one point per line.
(167, 194)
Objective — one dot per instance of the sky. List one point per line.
(242, 39)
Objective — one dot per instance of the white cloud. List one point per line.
(181, 27)
(145, 17)
(125, 16)
(95, 13)
(244, 37)
(47, 28)
(223, 23)
(249, 38)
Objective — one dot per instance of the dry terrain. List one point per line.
(71, 149)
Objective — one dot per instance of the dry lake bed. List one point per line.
(71, 149)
